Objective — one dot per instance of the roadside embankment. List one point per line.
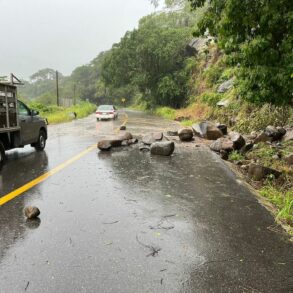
(56, 114)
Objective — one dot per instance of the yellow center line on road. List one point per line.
(17, 192)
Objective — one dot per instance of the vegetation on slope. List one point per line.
(55, 114)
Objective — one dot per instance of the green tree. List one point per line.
(257, 37)
(151, 58)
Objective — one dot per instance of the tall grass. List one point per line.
(282, 200)
(56, 114)
(166, 112)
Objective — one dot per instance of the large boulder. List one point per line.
(196, 46)
(104, 145)
(125, 136)
(152, 137)
(223, 128)
(185, 134)
(115, 141)
(207, 130)
(238, 140)
(226, 85)
(164, 148)
(262, 137)
(222, 144)
(31, 212)
(257, 172)
(276, 133)
(133, 141)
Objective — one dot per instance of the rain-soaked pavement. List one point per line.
(127, 222)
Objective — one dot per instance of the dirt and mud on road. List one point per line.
(126, 221)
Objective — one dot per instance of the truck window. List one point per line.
(22, 109)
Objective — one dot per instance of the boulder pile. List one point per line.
(222, 141)
(152, 142)
(242, 144)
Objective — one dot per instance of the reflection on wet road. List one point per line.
(127, 222)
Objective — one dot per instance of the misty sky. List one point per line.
(62, 34)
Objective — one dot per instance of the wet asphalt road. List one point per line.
(127, 222)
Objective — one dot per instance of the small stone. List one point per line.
(253, 134)
(224, 155)
(165, 148)
(244, 167)
(185, 134)
(122, 127)
(248, 146)
(31, 212)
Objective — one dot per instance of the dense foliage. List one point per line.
(153, 59)
(150, 64)
(257, 36)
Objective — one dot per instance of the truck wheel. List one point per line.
(41, 143)
(2, 155)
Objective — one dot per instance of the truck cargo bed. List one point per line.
(8, 108)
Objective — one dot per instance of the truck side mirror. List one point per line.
(34, 113)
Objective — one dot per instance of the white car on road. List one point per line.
(106, 112)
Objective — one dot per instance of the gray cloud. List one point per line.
(62, 34)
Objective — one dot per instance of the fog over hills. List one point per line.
(62, 34)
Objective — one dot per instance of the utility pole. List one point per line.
(74, 93)
(57, 88)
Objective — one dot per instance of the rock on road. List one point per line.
(125, 221)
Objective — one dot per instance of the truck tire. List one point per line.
(41, 143)
(2, 155)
